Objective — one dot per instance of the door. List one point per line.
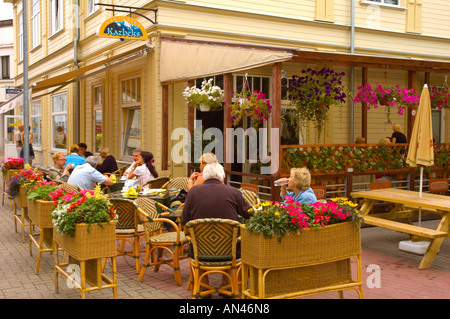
(12, 123)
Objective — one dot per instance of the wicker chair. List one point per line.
(250, 197)
(128, 229)
(164, 173)
(177, 182)
(170, 242)
(158, 182)
(214, 242)
(69, 186)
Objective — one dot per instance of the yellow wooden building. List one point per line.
(127, 93)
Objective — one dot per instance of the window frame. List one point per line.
(37, 131)
(20, 36)
(91, 7)
(35, 23)
(5, 67)
(97, 107)
(128, 105)
(382, 3)
(56, 16)
(58, 113)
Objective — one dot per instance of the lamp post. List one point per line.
(26, 139)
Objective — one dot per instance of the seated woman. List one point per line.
(299, 182)
(197, 178)
(58, 172)
(145, 171)
(109, 164)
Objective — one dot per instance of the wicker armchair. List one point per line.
(169, 242)
(158, 182)
(164, 173)
(69, 186)
(177, 182)
(214, 242)
(250, 197)
(128, 229)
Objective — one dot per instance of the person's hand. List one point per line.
(194, 175)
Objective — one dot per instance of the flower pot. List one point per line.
(204, 107)
(97, 242)
(313, 261)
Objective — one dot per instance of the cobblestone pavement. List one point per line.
(399, 277)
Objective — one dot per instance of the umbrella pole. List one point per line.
(420, 194)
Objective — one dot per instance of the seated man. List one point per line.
(73, 157)
(85, 176)
(213, 199)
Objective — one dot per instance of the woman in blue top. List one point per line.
(299, 182)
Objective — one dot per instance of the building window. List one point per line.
(131, 110)
(35, 24)
(5, 67)
(258, 83)
(98, 107)
(388, 2)
(438, 123)
(36, 128)
(59, 121)
(91, 7)
(56, 15)
(20, 37)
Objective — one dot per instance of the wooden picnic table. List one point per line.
(406, 204)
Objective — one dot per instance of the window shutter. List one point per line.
(414, 16)
(325, 10)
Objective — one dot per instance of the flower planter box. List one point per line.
(86, 250)
(40, 212)
(21, 199)
(98, 242)
(314, 261)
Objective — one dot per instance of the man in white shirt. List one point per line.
(136, 154)
(18, 139)
(85, 176)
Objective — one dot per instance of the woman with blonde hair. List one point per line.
(196, 178)
(58, 172)
(397, 137)
(109, 164)
(299, 182)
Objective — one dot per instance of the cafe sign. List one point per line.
(122, 27)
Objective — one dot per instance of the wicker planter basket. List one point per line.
(40, 212)
(99, 242)
(21, 200)
(314, 261)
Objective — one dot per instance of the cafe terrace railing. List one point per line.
(335, 165)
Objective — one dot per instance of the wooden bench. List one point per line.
(404, 228)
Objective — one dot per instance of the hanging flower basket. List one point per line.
(208, 98)
(313, 92)
(439, 98)
(392, 97)
(254, 106)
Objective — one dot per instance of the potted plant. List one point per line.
(439, 98)
(254, 106)
(19, 183)
(208, 98)
(313, 93)
(40, 203)
(282, 241)
(388, 97)
(12, 164)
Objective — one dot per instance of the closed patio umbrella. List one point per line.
(420, 152)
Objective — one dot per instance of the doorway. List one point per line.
(12, 123)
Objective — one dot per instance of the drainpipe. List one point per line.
(76, 100)
(352, 68)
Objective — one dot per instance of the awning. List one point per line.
(76, 75)
(79, 74)
(182, 60)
